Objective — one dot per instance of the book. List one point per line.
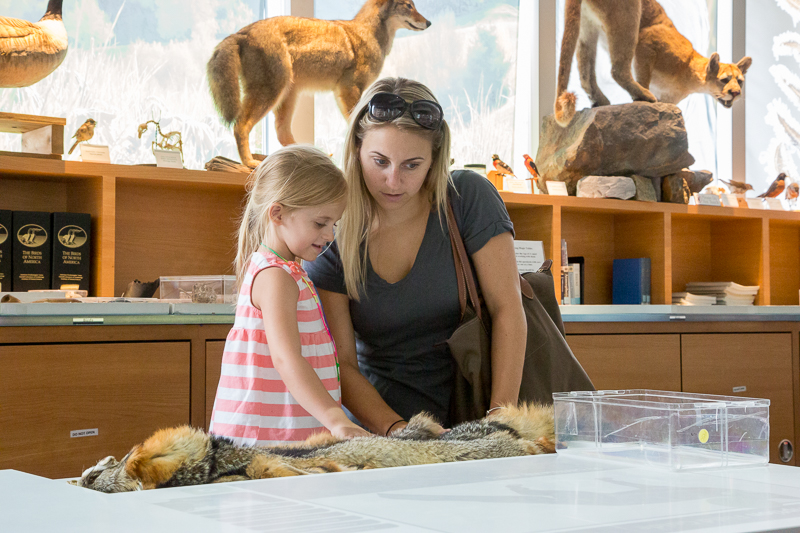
(577, 263)
(71, 251)
(5, 250)
(30, 250)
(725, 292)
(631, 281)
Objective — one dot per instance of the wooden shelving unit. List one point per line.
(150, 222)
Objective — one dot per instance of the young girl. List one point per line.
(280, 373)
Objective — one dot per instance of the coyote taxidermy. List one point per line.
(640, 30)
(267, 64)
(185, 456)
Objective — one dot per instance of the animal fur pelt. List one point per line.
(185, 456)
(267, 64)
(639, 32)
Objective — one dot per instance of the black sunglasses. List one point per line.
(385, 107)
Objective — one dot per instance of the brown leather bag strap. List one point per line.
(463, 268)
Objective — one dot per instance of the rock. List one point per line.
(699, 179)
(657, 186)
(606, 187)
(674, 189)
(645, 190)
(619, 140)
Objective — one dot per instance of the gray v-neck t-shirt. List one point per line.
(401, 328)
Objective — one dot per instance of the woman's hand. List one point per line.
(436, 428)
(348, 431)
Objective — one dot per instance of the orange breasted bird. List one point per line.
(776, 187)
(792, 191)
(531, 166)
(501, 167)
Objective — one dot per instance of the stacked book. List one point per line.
(687, 298)
(725, 292)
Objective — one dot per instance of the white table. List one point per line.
(542, 493)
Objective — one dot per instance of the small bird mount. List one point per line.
(163, 141)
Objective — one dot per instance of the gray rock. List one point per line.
(699, 179)
(619, 140)
(606, 187)
(645, 190)
(674, 189)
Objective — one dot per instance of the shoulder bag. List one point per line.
(550, 366)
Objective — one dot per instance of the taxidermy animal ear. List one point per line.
(744, 63)
(713, 66)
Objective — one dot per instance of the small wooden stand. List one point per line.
(42, 137)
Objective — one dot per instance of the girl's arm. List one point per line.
(276, 290)
(358, 394)
(496, 269)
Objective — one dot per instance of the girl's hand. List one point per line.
(349, 431)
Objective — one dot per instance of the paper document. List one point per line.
(530, 255)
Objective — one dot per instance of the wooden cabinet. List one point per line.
(214, 350)
(755, 365)
(630, 361)
(123, 391)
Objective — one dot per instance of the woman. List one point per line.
(388, 284)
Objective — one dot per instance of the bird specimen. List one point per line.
(84, 133)
(31, 51)
(531, 166)
(500, 166)
(792, 191)
(776, 187)
(738, 187)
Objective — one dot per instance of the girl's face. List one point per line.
(395, 164)
(308, 230)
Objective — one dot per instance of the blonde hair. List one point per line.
(297, 176)
(353, 233)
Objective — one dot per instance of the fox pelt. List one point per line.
(184, 456)
(667, 67)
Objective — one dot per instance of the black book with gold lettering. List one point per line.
(5, 250)
(31, 250)
(71, 250)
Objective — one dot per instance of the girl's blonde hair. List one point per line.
(353, 234)
(297, 176)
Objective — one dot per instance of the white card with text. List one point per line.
(775, 204)
(95, 153)
(530, 255)
(729, 200)
(755, 203)
(708, 199)
(557, 188)
(168, 159)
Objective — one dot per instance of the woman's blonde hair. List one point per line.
(353, 234)
(297, 176)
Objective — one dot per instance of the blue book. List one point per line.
(631, 281)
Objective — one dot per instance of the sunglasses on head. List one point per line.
(385, 107)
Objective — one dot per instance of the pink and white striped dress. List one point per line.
(253, 405)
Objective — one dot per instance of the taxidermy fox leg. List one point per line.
(347, 97)
(565, 101)
(283, 116)
(587, 55)
(621, 47)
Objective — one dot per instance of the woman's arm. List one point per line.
(358, 394)
(277, 290)
(496, 268)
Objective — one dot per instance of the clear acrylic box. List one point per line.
(676, 430)
(199, 289)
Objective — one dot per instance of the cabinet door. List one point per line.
(630, 361)
(214, 350)
(760, 362)
(122, 392)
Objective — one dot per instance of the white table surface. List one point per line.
(541, 493)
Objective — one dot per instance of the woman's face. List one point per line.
(395, 164)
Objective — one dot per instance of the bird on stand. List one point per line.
(531, 166)
(500, 166)
(792, 192)
(29, 52)
(84, 133)
(776, 187)
(738, 187)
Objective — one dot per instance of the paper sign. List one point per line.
(530, 255)
(729, 200)
(693, 199)
(95, 153)
(557, 188)
(168, 159)
(516, 185)
(774, 204)
(707, 199)
(755, 203)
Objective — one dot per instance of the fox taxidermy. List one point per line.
(264, 66)
(639, 31)
(185, 456)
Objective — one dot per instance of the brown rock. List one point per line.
(619, 140)
(699, 179)
(645, 191)
(674, 189)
